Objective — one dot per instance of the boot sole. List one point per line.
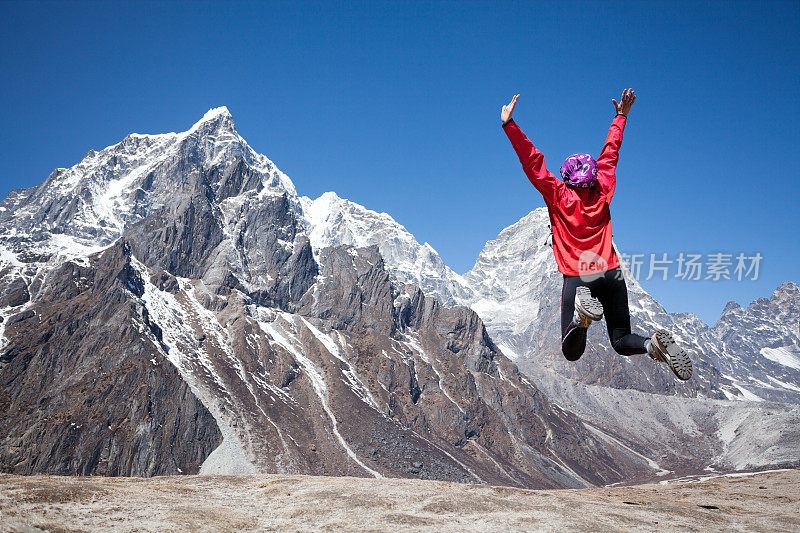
(678, 360)
(587, 305)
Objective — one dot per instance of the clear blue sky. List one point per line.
(396, 106)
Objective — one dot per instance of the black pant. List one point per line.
(608, 287)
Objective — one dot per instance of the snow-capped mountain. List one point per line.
(169, 304)
(333, 221)
(88, 206)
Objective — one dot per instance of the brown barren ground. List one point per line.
(762, 502)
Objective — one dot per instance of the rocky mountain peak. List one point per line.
(787, 291)
(216, 119)
(731, 307)
(216, 113)
(91, 204)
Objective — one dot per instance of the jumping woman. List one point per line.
(580, 218)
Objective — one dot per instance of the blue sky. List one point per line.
(396, 106)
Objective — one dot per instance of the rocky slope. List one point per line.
(84, 385)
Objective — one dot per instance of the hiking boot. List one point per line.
(587, 308)
(662, 348)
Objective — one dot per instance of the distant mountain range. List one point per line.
(171, 305)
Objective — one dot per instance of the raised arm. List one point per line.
(607, 161)
(532, 159)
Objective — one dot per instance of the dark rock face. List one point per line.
(199, 205)
(82, 391)
(180, 236)
(14, 292)
(276, 255)
(354, 291)
(233, 181)
(390, 384)
(265, 255)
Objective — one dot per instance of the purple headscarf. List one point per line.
(579, 170)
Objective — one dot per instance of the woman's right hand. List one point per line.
(505, 113)
(628, 98)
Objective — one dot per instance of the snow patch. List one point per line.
(749, 396)
(7, 257)
(785, 355)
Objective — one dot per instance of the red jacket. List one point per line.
(580, 218)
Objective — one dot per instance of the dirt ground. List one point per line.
(761, 502)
